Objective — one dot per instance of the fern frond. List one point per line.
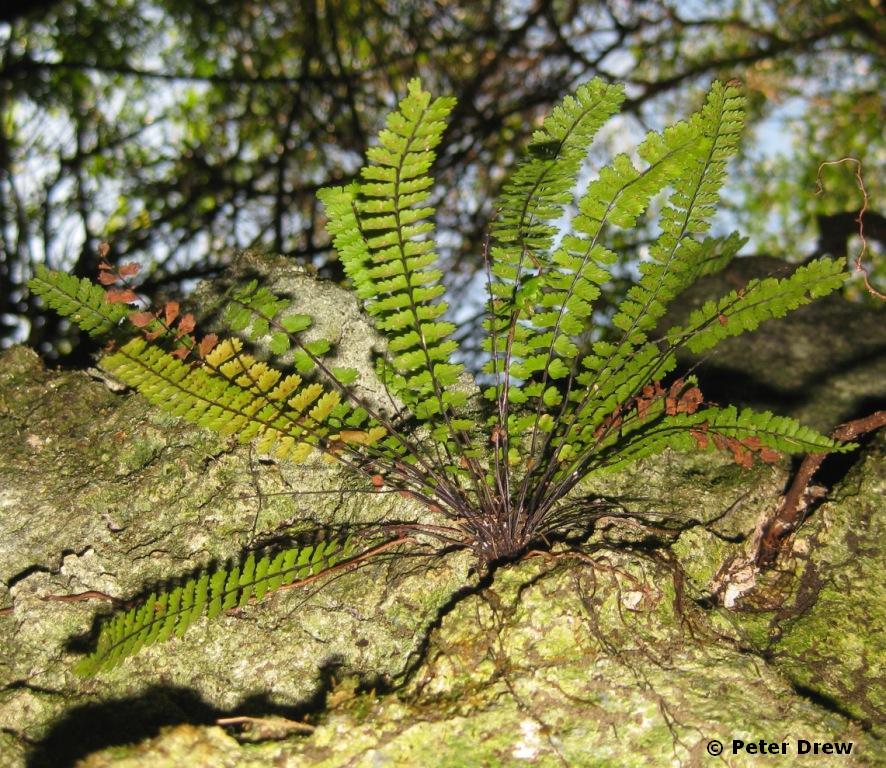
(568, 289)
(535, 194)
(746, 430)
(78, 299)
(614, 372)
(677, 257)
(744, 309)
(256, 308)
(245, 398)
(170, 613)
(613, 375)
(381, 227)
(533, 199)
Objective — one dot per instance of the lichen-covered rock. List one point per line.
(589, 661)
(607, 658)
(820, 617)
(576, 662)
(101, 494)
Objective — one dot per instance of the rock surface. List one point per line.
(609, 658)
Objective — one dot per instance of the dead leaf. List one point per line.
(170, 311)
(186, 324)
(207, 343)
(130, 269)
(141, 319)
(120, 296)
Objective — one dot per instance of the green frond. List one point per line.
(615, 372)
(711, 428)
(80, 300)
(534, 196)
(382, 231)
(744, 309)
(558, 312)
(690, 158)
(170, 613)
(523, 269)
(677, 257)
(232, 394)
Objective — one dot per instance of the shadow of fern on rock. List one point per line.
(92, 727)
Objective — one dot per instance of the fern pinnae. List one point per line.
(404, 444)
(156, 374)
(635, 319)
(261, 382)
(401, 263)
(535, 195)
(89, 296)
(263, 305)
(655, 359)
(662, 169)
(676, 431)
(562, 302)
(743, 310)
(375, 225)
(760, 300)
(267, 382)
(359, 453)
(80, 299)
(351, 242)
(392, 270)
(538, 188)
(170, 613)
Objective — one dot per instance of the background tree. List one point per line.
(182, 131)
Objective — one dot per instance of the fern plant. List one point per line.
(561, 403)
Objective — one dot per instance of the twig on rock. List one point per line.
(790, 513)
